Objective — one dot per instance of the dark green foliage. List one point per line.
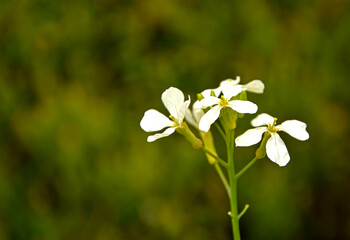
(77, 76)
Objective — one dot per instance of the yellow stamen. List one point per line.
(274, 121)
(176, 123)
(272, 128)
(223, 101)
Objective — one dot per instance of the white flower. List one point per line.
(174, 101)
(219, 103)
(255, 86)
(275, 148)
(193, 117)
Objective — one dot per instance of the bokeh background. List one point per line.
(77, 76)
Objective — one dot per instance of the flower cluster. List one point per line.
(228, 102)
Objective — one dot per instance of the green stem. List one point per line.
(243, 211)
(220, 130)
(251, 163)
(223, 179)
(233, 184)
(222, 162)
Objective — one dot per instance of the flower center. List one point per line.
(272, 128)
(176, 123)
(223, 101)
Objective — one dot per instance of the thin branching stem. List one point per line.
(243, 211)
(222, 162)
(223, 179)
(249, 165)
(220, 130)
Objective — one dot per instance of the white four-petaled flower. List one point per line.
(255, 86)
(219, 103)
(276, 149)
(174, 101)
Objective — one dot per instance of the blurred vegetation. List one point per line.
(77, 76)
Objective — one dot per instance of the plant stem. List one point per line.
(243, 211)
(219, 170)
(233, 184)
(223, 179)
(251, 163)
(222, 162)
(220, 130)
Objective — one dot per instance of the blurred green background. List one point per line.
(77, 76)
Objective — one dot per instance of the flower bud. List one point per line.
(228, 118)
(199, 96)
(261, 151)
(208, 142)
(189, 136)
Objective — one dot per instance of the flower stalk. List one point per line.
(249, 165)
(233, 185)
(219, 160)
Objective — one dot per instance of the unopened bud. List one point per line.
(199, 96)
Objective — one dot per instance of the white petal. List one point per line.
(243, 106)
(207, 92)
(250, 137)
(230, 82)
(173, 99)
(183, 109)
(190, 118)
(255, 86)
(230, 88)
(262, 119)
(231, 91)
(209, 101)
(208, 118)
(276, 150)
(197, 104)
(154, 121)
(197, 111)
(166, 133)
(195, 116)
(295, 128)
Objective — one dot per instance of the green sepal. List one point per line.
(261, 151)
(189, 136)
(228, 118)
